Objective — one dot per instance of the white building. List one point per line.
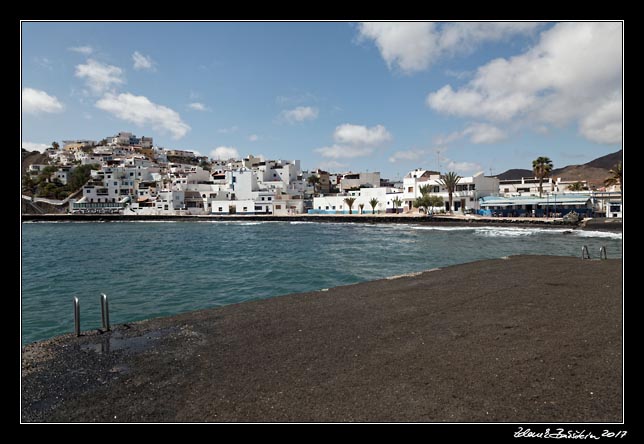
(357, 180)
(465, 198)
(614, 210)
(530, 186)
(336, 204)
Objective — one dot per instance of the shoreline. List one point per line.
(594, 224)
(416, 348)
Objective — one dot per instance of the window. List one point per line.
(131, 174)
(270, 198)
(410, 189)
(506, 190)
(258, 208)
(165, 207)
(221, 209)
(116, 183)
(278, 207)
(319, 208)
(333, 207)
(262, 198)
(245, 208)
(327, 208)
(436, 189)
(471, 199)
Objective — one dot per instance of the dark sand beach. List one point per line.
(522, 339)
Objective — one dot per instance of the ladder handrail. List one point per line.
(602, 252)
(584, 253)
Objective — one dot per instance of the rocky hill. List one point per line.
(594, 171)
(33, 157)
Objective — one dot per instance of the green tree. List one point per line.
(422, 202)
(615, 178)
(577, 186)
(28, 184)
(541, 167)
(361, 206)
(397, 202)
(55, 145)
(349, 201)
(374, 203)
(436, 201)
(449, 182)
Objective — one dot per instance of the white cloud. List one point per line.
(344, 151)
(35, 101)
(232, 129)
(574, 71)
(85, 50)
(253, 138)
(332, 166)
(408, 155)
(44, 62)
(414, 46)
(361, 135)
(198, 106)
(355, 141)
(142, 62)
(300, 114)
(99, 76)
(141, 111)
(225, 153)
(462, 167)
(31, 146)
(604, 124)
(484, 133)
(477, 133)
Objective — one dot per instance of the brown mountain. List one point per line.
(594, 171)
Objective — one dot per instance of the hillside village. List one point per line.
(126, 174)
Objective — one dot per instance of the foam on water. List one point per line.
(169, 268)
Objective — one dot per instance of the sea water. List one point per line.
(151, 269)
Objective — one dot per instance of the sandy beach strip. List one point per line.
(521, 339)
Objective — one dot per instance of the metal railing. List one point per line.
(105, 314)
(584, 253)
(602, 253)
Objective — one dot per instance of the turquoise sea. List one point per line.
(152, 269)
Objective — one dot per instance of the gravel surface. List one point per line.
(522, 339)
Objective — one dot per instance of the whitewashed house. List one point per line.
(465, 198)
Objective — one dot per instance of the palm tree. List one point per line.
(577, 186)
(349, 201)
(424, 189)
(615, 178)
(449, 181)
(55, 145)
(541, 166)
(397, 203)
(374, 203)
(361, 206)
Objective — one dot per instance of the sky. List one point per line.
(341, 96)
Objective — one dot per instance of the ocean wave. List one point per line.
(594, 233)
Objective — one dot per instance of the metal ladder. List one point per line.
(585, 255)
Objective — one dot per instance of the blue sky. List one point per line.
(344, 96)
